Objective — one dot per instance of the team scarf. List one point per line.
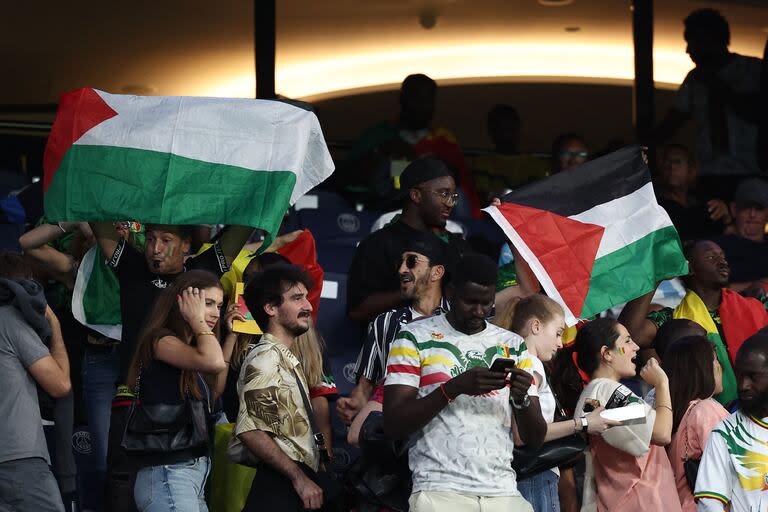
(741, 317)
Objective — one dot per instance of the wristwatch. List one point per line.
(584, 424)
(523, 405)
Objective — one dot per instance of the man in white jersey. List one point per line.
(733, 474)
(441, 392)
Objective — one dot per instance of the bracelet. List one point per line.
(665, 406)
(205, 333)
(61, 228)
(445, 393)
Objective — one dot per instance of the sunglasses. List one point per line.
(411, 261)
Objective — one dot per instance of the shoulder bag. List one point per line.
(162, 428)
(565, 451)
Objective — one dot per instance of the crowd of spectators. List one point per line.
(467, 395)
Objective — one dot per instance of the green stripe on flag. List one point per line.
(634, 270)
(105, 183)
(730, 390)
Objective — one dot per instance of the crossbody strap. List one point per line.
(316, 434)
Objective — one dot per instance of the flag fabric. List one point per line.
(96, 295)
(594, 236)
(740, 317)
(180, 160)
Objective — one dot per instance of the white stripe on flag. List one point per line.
(253, 134)
(78, 295)
(533, 261)
(626, 219)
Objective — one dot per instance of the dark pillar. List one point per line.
(643, 105)
(264, 45)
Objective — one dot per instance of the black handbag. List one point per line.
(565, 451)
(380, 477)
(691, 468)
(163, 428)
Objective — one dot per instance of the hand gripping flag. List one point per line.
(180, 160)
(594, 236)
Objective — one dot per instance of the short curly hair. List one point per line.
(710, 22)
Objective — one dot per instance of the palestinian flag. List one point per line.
(594, 236)
(180, 160)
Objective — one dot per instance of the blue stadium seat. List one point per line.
(343, 341)
(336, 232)
(9, 236)
(342, 336)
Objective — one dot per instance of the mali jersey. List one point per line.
(467, 447)
(734, 468)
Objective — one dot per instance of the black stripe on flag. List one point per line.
(596, 182)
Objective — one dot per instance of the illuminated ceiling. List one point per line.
(333, 47)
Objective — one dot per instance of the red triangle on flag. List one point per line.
(566, 248)
(78, 112)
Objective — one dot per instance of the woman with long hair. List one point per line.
(627, 466)
(178, 357)
(695, 375)
(541, 322)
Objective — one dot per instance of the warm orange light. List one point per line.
(332, 76)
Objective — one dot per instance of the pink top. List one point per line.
(626, 482)
(702, 416)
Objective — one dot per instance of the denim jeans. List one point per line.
(101, 366)
(175, 487)
(541, 491)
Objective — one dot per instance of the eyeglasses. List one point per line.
(411, 260)
(573, 154)
(448, 198)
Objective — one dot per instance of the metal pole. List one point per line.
(264, 14)
(643, 104)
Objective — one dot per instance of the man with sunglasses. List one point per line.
(374, 286)
(421, 271)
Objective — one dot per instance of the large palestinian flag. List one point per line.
(594, 236)
(180, 160)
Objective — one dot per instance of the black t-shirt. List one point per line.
(139, 288)
(160, 385)
(374, 266)
(748, 259)
(692, 222)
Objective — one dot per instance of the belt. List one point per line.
(100, 341)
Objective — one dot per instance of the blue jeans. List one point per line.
(101, 368)
(175, 487)
(541, 491)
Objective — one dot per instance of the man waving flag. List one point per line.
(180, 160)
(594, 236)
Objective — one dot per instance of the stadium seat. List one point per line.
(342, 336)
(343, 340)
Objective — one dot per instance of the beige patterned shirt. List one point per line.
(270, 400)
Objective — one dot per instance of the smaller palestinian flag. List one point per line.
(594, 236)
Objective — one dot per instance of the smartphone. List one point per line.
(501, 364)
